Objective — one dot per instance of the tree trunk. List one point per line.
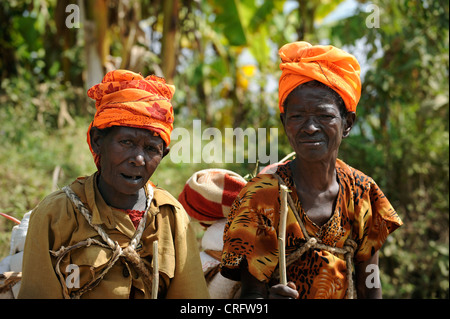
(169, 51)
(94, 16)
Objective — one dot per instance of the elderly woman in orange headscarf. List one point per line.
(337, 217)
(95, 238)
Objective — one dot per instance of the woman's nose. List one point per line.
(310, 126)
(138, 160)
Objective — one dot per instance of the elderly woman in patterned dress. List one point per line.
(338, 218)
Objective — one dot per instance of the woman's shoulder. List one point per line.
(356, 177)
(261, 190)
(262, 180)
(267, 177)
(57, 204)
(55, 209)
(166, 203)
(163, 197)
(170, 209)
(52, 203)
(260, 184)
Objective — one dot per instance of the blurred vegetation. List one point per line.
(222, 57)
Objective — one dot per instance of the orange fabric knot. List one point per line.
(302, 62)
(126, 98)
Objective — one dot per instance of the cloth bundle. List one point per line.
(207, 197)
(209, 194)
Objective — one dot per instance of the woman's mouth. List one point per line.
(311, 142)
(132, 178)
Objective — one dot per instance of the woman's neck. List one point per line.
(136, 201)
(313, 177)
(317, 189)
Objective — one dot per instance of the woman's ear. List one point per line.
(283, 118)
(96, 139)
(166, 151)
(350, 119)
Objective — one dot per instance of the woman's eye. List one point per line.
(152, 149)
(125, 142)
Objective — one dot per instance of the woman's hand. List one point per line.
(280, 291)
(251, 288)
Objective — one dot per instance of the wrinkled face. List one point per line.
(313, 124)
(128, 158)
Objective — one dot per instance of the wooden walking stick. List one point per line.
(282, 234)
(155, 282)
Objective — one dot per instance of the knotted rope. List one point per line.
(347, 250)
(129, 252)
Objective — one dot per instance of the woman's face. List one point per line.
(128, 158)
(313, 124)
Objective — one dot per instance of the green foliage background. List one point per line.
(401, 138)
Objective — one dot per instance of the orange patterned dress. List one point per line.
(361, 211)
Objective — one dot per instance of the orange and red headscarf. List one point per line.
(125, 98)
(301, 62)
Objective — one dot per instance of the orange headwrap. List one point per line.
(125, 98)
(301, 62)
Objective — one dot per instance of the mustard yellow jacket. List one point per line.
(55, 222)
